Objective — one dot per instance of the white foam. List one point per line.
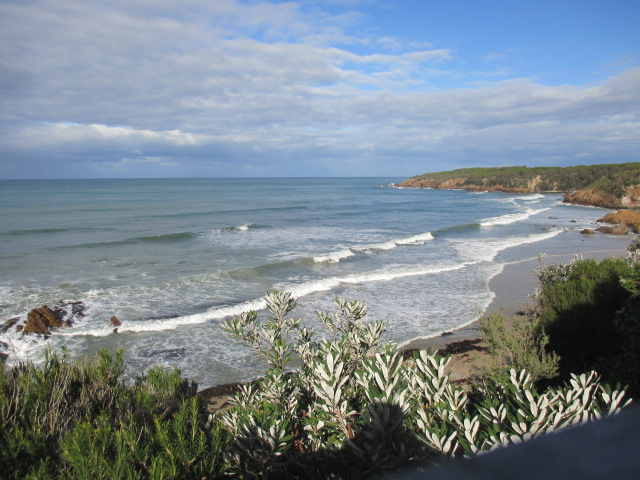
(389, 245)
(511, 218)
(418, 239)
(298, 291)
(334, 257)
(487, 249)
(383, 275)
(535, 196)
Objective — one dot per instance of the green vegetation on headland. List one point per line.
(356, 407)
(609, 186)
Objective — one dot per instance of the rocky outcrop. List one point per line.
(588, 231)
(41, 320)
(628, 218)
(606, 185)
(593, 198)
(631, 198)
(115, 323)
(8, 324)
(615, 230)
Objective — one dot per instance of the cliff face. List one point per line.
(593, 198)
(461, 184)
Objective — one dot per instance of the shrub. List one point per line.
(577, 306)
(355, 408)
(590, 310)
(77, 419)
(523, 346)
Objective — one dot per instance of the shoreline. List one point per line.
(511, 289)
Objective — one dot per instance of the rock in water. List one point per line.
(8, 324)
(115, 322)
(630, 218)
(40, 320)
(616, 230)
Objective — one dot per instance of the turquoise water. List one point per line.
(173, 258)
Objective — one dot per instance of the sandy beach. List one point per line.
(512, 289)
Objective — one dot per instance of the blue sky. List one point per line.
(224, 88)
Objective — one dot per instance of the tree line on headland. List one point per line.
(607, 186)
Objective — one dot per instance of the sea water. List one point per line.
(172, 259)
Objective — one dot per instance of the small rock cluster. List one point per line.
(42, 319)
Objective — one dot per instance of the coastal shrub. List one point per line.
(588, 313)
(522, 346)
(39, 404)
(77, 419)
(355, 408)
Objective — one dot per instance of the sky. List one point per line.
(256, 88)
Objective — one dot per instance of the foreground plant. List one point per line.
(354, 407)
(590, 311)
(77, 419)
(521, 346)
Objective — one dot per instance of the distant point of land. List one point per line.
(609, 186)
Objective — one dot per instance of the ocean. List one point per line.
(173, 258)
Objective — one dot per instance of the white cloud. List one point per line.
(221, 87)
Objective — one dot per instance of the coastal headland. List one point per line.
(608, 186)
(614, 186)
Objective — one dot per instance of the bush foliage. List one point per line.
(608, 178)
(77, 419)
(355, 407)
(523, 346)
(590, 310)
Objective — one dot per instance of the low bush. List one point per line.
(355, 408)
(589, 310)
(77, 419)
(520, 346)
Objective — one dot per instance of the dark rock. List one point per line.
(19, 328)
(588, 231)
(572, 221)
(77, 309)
(115, 322)
(40, 320)
(8, 324)
(115, 330)
(616, 230)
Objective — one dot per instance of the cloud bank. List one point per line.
(226, 88)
